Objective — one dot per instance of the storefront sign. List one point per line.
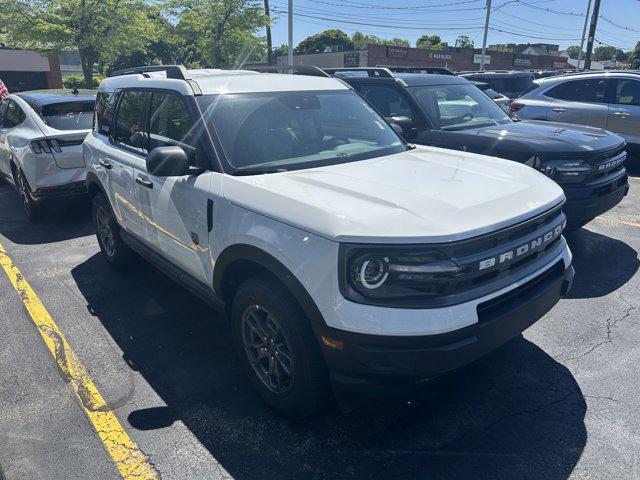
(521, 62)
(439, 56)
(477, 58)
(397, 52)
(352, 59)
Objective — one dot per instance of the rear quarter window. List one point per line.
(105, 108)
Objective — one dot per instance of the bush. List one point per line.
(77, 81)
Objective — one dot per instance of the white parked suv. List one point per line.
(345, 256)
(41, 135)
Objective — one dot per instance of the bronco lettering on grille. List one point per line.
(533, 245)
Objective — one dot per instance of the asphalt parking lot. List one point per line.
(560, 402)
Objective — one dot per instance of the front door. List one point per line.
(175, 208)
(624, 112)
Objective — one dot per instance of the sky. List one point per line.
(512, 21)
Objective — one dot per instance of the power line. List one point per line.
(576, 14)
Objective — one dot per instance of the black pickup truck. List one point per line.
(448, 111)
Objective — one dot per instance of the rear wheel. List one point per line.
(113, 248)
(278, 348)
(31, 209)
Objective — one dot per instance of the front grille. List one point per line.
(605, 156)
(506, 254)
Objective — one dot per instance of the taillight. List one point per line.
(46, 146)
(515, 106)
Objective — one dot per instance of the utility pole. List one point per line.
(269, 45)
(592, 34)
(584, 31)
(290, 62)
(484, 39)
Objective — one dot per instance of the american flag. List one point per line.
(3, 90)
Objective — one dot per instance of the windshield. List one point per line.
(292, 130)
(458, 107)
(68, 116)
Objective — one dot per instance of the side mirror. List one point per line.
(169, 161)
(402, 125)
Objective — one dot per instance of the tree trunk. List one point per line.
(87, 60)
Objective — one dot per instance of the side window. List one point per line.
(104, 108)
(170, 123)
(590, 91)
(129, 128)
(387, 100)
(627, 92)
(14, 115)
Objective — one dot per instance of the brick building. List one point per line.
(455, 59)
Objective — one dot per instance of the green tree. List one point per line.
(605, 52)
(319, 42)
(361, 41)
(433, 42)
(99, 30)
(634, 57)
(219, 33)
(464, 41)
(500, 47)
(573, 51)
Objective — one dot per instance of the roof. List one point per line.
(429, 79)
(588, 74)
(504, 74)
(40, 98)
(214, 81)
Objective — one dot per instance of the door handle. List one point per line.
(105, 164)
(622, 114)
(144, 182)
(559, 109)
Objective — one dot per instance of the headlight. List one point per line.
(371, 274)
(568, 170)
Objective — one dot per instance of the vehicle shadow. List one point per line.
(61, 220)
(515, 414)
(603, 264)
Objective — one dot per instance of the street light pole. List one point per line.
(484, 39)
(290, 56)
(584, 32)
(592, 34)
(269, 45)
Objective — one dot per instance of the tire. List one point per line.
(32, 210)
(306, 390)
(115, 251)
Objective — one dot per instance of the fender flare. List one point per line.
(93, 181)
(246, 252)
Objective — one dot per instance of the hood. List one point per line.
(552, 138)
(427, 195)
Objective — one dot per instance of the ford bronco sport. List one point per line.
(345, 257)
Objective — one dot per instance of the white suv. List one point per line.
(41, 134)
(345, 257)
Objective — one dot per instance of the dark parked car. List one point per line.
(510, 84)
(450, 112)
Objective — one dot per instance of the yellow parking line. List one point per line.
(621, 222)
(131, 462)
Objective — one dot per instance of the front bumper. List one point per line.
(586, 202)
(379, 365)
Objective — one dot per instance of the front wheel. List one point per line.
(113, 248)
(278, 348)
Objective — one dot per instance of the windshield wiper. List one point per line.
(258, 171)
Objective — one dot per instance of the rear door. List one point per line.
(624, 111)
(175, 208)
(580, 101)
(126, 155)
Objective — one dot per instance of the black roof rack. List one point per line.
(295, 70)
(371, 71)
(425, 69)
(177, 72)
